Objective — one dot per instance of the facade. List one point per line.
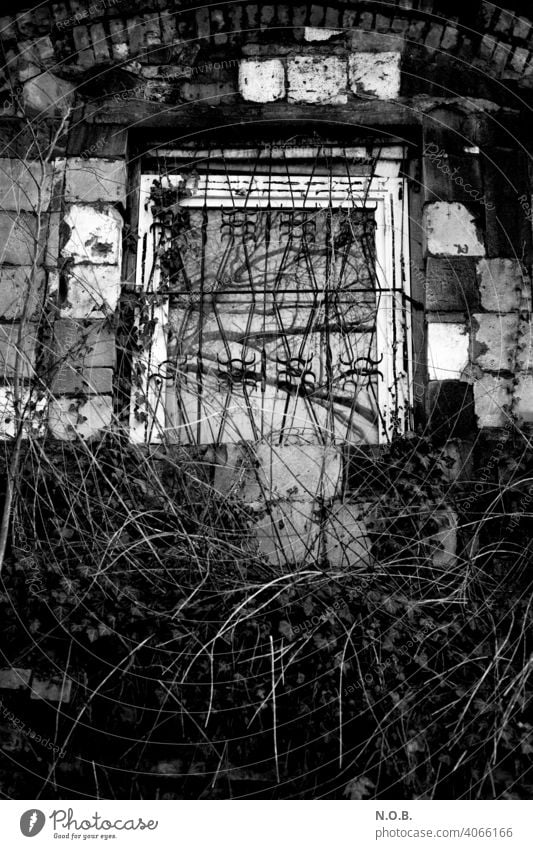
(267, 239)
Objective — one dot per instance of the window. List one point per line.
(276, 285)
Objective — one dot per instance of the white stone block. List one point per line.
(375, 74)
(288, 533)
(451, 230)
(347, 544)
(491, 396)
(448, 351)
(272, 472)
(496, 339)
(262, 81)
(25, 185)
(500, 284)
(317, 79)
(95, 180)
(68, 420)
(524, 398)
(92, 291)
(95, 235)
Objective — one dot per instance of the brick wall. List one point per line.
(355, 66)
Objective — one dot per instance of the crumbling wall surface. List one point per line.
(95, 80)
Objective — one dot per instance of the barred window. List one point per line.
(275, 285)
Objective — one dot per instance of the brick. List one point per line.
(69, 421)
(83, 45)
(95, 235)
(500, 56)
(487, 46)
(262, 81)
(92, 180)
(320, 33)
(48, 95)
(492, 396)
(376, 74)
(366, 21)
(21, 288)
(99, 43)
(9, 345)
(383, 23)
(519, 59)
(14, 678)
(451, 230)
(92, 291)
(450, 38)
(417, 30)
(333, 18)
(505, 21)
(296, 472)
(317, 79)
(451, 284)
(522, 28)
(210, 94)
(500, 284)
(451, 409)
(496, 339)
(444, 543)
(347, 543)
(434, 37)
(448, 350)
(524, 350)
(316, 17)
(449, 177)
(267, 15)
(25, 185)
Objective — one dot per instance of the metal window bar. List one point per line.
(222, 189)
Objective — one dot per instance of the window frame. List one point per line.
(384, 190)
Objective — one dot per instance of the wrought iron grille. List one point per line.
(281, 302)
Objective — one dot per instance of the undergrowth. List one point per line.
(199, 670)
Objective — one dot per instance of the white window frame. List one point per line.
(384, 192)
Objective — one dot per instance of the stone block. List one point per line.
(92, 291)
(14, 678)
(347, 543)
(48, 95)
(25, 186)
(275, 472)
(288, 533)
(9, 344)
(500, 284)
(19, 238)
(492, 396)
(95, 235)
(448, 351)
(495, 341)
(317, 79)
(262, 81)
(524, 350)
(85, 343)
(51, 690)
(451, 284)
(69, 420)
(451, 409)
(524, 398)
(375, 74)
(451, 230)
(21, 287)
(94, 180)
(87, 381)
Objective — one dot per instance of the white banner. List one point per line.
(269, 825)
